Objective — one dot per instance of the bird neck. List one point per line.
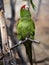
(25, 18)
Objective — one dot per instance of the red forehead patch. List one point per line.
(23, 6)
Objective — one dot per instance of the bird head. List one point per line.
(24, 12)
(26, 7)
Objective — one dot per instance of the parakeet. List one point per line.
(26, 28)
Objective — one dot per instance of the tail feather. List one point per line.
(29, 51)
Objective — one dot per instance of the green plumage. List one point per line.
(26, 27)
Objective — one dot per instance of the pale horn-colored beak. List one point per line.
(26, 7)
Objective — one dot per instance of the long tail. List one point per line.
(29, 51)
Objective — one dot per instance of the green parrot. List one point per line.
(26, 28)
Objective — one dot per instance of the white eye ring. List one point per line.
(26, 6)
